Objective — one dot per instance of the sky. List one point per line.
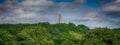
(92, 13)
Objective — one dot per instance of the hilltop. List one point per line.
(57, 34)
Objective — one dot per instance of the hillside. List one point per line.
(57, 34)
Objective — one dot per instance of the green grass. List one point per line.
(76, 35)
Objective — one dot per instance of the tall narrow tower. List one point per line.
(59, 18)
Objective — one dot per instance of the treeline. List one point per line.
(57, 34)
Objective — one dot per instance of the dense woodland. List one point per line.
(57, 34)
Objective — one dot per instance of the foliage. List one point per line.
(57, 34)
(100, 36)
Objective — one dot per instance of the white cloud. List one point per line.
(112, 9)
(27, 15)
(37, 3)
(89, 16)
(29, 11)
(34, 11)
(118, 0)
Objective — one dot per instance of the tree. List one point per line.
(5, 36)
(67, 42)
(100, 36)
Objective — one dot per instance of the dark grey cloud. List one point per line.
(112, 12)
(13, 12)
(30, 11)
(112, 9)
(34, 11)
